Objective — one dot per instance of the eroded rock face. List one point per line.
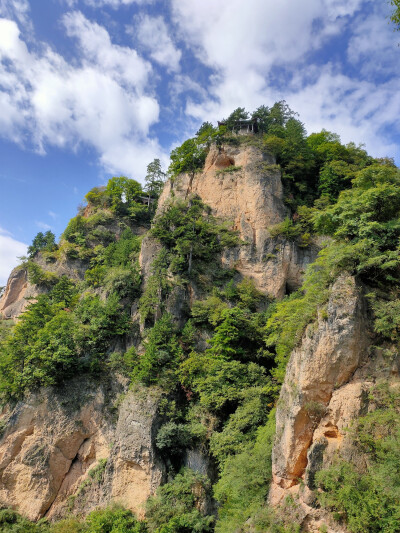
(56, 437)
(14, 299)
(326, 388)
(329, 354)
(251, 198)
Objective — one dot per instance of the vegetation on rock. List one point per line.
(220, 358)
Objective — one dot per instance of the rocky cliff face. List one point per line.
(59, 444)
(251, 199)
(326, 388)
(74, 448)
(16, 294)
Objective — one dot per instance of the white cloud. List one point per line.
(16, 9)
(245, 42)
(52, 215)
(152, 33)
(42, 225)
(358, 110)
(103, 100)
(372, 48)
(10, 250)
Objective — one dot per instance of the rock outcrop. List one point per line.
(60, 443)
(325, 389)
(16, 294)
(242, 185)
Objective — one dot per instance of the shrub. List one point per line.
(173, 437)
(244, 482)
(162, 355)
(175, 506)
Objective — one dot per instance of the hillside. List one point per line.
(227, 362)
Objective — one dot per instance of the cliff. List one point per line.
(75, 449)
(176, 373)
(242, 185)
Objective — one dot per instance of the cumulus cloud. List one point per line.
(10, 250)
(152, 33)
(16, 9)
(246, 43)
(102, 100)
(372, 48)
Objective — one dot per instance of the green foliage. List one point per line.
(238, 114)
(173, 438)
(6, 329)
(367, 217)
(75, 231)
(124, 251)
(367, 497)
(290, 317)
(242, 426)
(113, 520)
(99, 322)
(244, 482)
(189, 157)
(125, 282)
(150, 303)
(154, 179)
(220, 384)
(56, 337)
(387, 316)
(42, 242)
(286, 229)
(208, 311)
(12, 522)
(191, 235)
(39, 351)
(174, 508)
(123, 362)
(395, 16)
(162, 355)
(227, 170)
(122, 191)
(97, 473)
(38, 276)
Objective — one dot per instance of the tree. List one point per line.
(122, 188)
(154, 179)
(188, 157)
(239, 114)
(263, 116)
(42, 241)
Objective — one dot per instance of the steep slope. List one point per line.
(123, 378)
(242, 184)
(64, 450)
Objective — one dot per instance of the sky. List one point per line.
(91, 89)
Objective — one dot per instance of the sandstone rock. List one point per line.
(329, 354)
(14, 299)
(55, 437)
(251, 199)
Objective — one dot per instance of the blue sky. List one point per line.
(95, 88)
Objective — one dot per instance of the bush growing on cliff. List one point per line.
(175, 507)
(162, 355)
(244, 482)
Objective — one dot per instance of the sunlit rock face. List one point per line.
(55, 438)
(243, 186)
